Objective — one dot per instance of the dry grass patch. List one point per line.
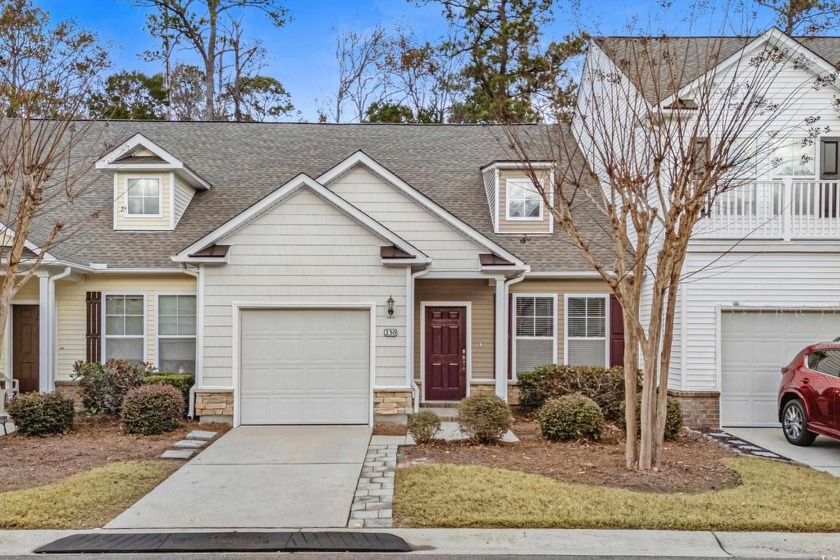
(773, 496)
(82, 501)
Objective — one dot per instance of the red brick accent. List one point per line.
(701, 409)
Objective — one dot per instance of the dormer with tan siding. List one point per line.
(516, 204)
(152, 188)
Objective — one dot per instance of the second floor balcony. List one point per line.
(786, 209)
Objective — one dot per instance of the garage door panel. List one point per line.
(305, 366)
(754, 347)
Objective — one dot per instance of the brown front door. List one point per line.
(25, 347)
(446, 353)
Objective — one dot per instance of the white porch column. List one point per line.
(44, 331)
(501, 368)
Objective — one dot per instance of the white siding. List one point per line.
(303, 251)
(767, 281)
(183, 196)
(489, 178)
(448, 248)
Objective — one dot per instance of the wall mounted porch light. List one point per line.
(390, 303)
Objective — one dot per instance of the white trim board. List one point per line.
(423, 306)
(361, 158)
(237, 308)
(285, 192)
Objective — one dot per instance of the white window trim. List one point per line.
(104, 331)
(423, 306)
(814, 176)
(520, 183)
(128, 214)
(607, 331)
(516, 296)
(158, 336)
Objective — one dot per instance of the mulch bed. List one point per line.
(691, 464)
(389, 430)
(26, 462)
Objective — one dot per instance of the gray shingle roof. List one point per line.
(659, 66)
(246, 161)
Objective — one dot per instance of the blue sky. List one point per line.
(303, 52)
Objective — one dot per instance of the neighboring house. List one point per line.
(311, 273)
(762, 277)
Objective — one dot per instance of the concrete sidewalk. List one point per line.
(557, 542)
(259, 477)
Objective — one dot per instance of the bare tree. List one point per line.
(650, 148)
(804, 17)
(46, 77)
(196, 23)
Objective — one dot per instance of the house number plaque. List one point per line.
(391, 332)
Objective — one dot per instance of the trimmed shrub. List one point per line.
(605, 386)
(104, 386)
(152, 409)
(423, 426)
(570, 417)
(673, 418)
(484, 418)
(42, 414)
(181, 381)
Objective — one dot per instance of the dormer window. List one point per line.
(524, 201)
(143, 197)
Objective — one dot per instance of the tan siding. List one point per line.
(183, 196)
(449, 249)
(520, 226)
(72, 309)
(481, 295)
(142, 223)
(560, 288)
(303, 251)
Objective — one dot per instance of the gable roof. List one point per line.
(692, 57)
(361, 158)
(245, 162)
(199, 249)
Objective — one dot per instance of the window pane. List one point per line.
(150, 188)
(544, 326)
(152, 206)
(114, 305)
(791, 158)
(130, 349)
(595, 327)
(114, 325)
(533, 353)
(595, 307)
(168, 324)
(134, 305)
(524, 326)
(186, 325)
(525, 306)
(134, 325)
(168, 305)
(532, 209)
(186, 305)
(517, 209)
(577, 327)
(577, 307)
(177, 355)
(587, 353)
(545, 307)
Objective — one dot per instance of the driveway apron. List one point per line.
(260, 477)
(823, 454)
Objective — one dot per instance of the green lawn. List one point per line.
(774, 496)
(85, 500)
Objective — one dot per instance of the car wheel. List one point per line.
(795, 424)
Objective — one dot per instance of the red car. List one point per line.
(809, 396)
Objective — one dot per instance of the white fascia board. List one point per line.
(283, 193)
(46, 258)
(519, 165)
(361, 158)
(773, 36)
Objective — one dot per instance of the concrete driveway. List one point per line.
(260, 477)
(823, 454)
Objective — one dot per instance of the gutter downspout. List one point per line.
(502, 338)
(409, 313)
(191, 398)
(52, 325)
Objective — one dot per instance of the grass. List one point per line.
(82, 501)
(773, 496)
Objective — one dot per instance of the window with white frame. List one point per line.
(535, 333)
(176, 333)
(793, 157)
(125, 328)
(143, 196)
(523, 200)
(586, 330)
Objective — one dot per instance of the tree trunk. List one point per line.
(210, 64)
(631, 365)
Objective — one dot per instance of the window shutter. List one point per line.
(93, 348)
(616, 333)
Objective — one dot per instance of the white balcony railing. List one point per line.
(787, 209)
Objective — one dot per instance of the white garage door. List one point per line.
(754, 348)
(305, 366)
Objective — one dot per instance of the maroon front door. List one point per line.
(446, 353)
(25, 347)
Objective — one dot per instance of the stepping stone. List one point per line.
(177, 454)
(190, 443)
(766, 454)
(199, 434)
